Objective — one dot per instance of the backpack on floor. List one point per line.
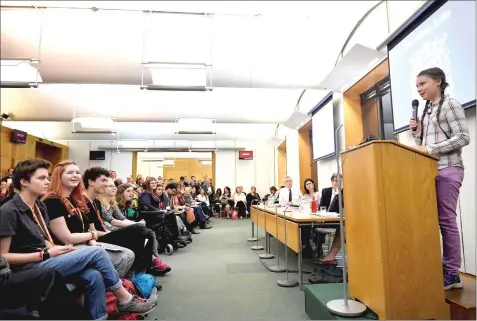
(235, 215)
(326, 274)
(144, 284)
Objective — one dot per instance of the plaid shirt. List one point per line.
(452, 121)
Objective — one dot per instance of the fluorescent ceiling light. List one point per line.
(15, 84)
(94, 132)
(195, 125)
(94, 122)
(174, 65)
(169, 162)
(176, 88)
(19, 71)
(179, 77)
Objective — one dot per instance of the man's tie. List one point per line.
(332, 203)
(289, 195)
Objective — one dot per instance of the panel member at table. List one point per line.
(330, 200)
(288, 194)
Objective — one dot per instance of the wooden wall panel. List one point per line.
(371, 118)
(12, 153)
(353, 113)
(134, 164)
(305, 150)
(282, 164)
(188, 167)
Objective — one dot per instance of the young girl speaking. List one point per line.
(442, 131)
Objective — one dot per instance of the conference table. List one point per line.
(293, 221)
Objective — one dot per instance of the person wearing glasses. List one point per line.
(288, 194)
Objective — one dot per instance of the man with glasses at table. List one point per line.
(289, 195)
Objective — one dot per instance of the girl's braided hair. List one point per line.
(436, 74)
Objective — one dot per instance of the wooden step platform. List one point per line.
(462, 301)
(316, 297)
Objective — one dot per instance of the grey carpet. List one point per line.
(217, 276)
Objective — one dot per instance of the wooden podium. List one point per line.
(392, 231)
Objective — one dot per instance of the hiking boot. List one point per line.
(138, 305)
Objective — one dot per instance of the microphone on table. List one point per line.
(415, 107)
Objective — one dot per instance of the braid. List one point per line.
(422, 118)
(441, 101)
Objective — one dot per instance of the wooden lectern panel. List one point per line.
(392, 231)
(368, 273)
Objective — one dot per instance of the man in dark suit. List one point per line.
(9, 176)
(330, 200)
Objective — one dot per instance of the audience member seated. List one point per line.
(203, 199)
(288, 194)
(68, 224)
(330, 200)
(115, 220)
(36, 293)
(311, 191)
(189, 203)
(139, 180)
(186, 214)
(240, 201)
(193, 191)
(227, 201)
(3, 190)
(215, 203)
(147, 200)
(252, 197)
(26, 244)
(9, 194)
(95, 180)
(9, 177)
(273, 196)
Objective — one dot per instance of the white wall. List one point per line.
(466, 206)
(149, 169)
(293, 158)
(79, 152)
(259, 172)
(326, 167)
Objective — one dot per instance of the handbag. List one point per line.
(235, 214)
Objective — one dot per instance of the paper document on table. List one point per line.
(330, 214)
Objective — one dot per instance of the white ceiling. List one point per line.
(262, 55)
(107, 47)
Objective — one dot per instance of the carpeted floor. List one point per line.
(217, 276)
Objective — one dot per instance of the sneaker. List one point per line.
(137, 305)
(452, 281)
(160, 266)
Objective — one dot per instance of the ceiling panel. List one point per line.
(60, 102)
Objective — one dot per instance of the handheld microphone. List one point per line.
(415, 107)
